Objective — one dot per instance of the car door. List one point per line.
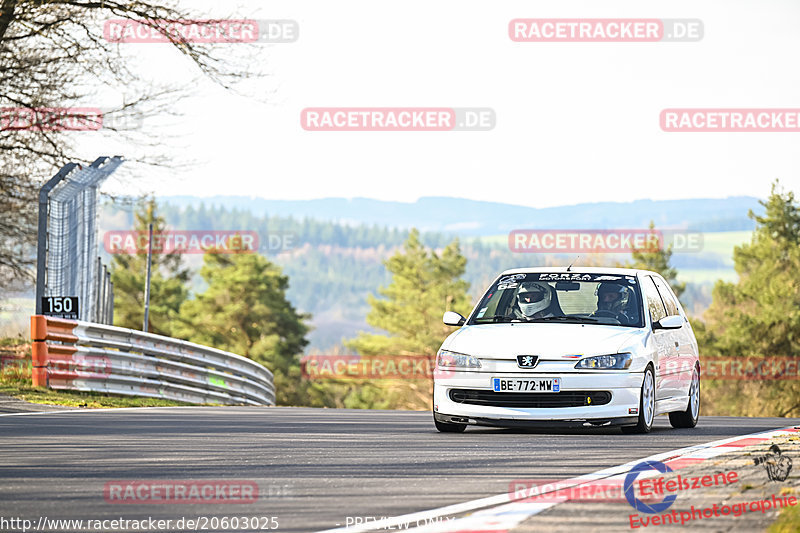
(682, 338)
(663, 340)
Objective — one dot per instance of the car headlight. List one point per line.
(617, 361)
(446, 359)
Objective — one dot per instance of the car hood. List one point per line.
(551, 341)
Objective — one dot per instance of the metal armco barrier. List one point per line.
(85, 356)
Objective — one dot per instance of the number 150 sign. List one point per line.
(60, 306)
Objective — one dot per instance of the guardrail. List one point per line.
(85, 356)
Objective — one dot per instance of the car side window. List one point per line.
(654, 303)
(666, 296)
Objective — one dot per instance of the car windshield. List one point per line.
(608, 299)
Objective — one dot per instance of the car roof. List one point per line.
(580, 270)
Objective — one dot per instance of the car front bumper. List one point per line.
(621, 409)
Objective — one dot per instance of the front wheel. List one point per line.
(689, 417)
(445, 427)
(647, 405)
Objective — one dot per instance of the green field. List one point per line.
(723, 242)
(701, 275)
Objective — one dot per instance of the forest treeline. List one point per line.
(243, 304)
(335, 266)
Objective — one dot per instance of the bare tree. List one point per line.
(53, 54)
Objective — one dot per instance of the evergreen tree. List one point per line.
(244, 310)
(657, 261)
(760, 314)
(168, 280)
(424, 285)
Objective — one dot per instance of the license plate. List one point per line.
(526, 385)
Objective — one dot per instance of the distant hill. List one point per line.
(475, 218)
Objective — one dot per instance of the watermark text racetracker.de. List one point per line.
(648, 489)
(370, 367)
(606, 241)
(397, 119)
(201, 31)
(105, 525)
(730, 120)
(78, 365)
(196, 242)
(611, 30)
(738, 368)
(180, 491)
(67, 119)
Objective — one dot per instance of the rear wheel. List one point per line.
(689, 417)
(647, 405)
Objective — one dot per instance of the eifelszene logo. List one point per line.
(636, 503)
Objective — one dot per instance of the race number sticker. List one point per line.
(512, 279)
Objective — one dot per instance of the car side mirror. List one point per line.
(451, 318)
(669, 322)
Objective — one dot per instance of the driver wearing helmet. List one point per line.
(533, 300)
(612, 300)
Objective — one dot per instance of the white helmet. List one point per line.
(533, 297)
(612, 297)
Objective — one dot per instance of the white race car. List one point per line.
(569, 347)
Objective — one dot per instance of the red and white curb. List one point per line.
(501, 513)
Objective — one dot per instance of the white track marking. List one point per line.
(502, 513)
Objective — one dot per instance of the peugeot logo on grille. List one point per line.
(527, 361)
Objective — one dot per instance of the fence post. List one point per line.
(147, 282)
(41, 245)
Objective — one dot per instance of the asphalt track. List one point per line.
(314, 467)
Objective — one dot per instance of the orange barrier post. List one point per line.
(45, 329)
(38, 328)
(39, 356)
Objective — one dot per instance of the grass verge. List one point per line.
(788, 521)
(15, 381)
(90, 400)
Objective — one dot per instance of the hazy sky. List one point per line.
(576, 122)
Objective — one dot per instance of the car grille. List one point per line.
(530, 399)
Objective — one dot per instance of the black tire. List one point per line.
(689, 417)
(446, 427)
(646, 410)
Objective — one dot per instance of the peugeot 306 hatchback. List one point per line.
(569, 346)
